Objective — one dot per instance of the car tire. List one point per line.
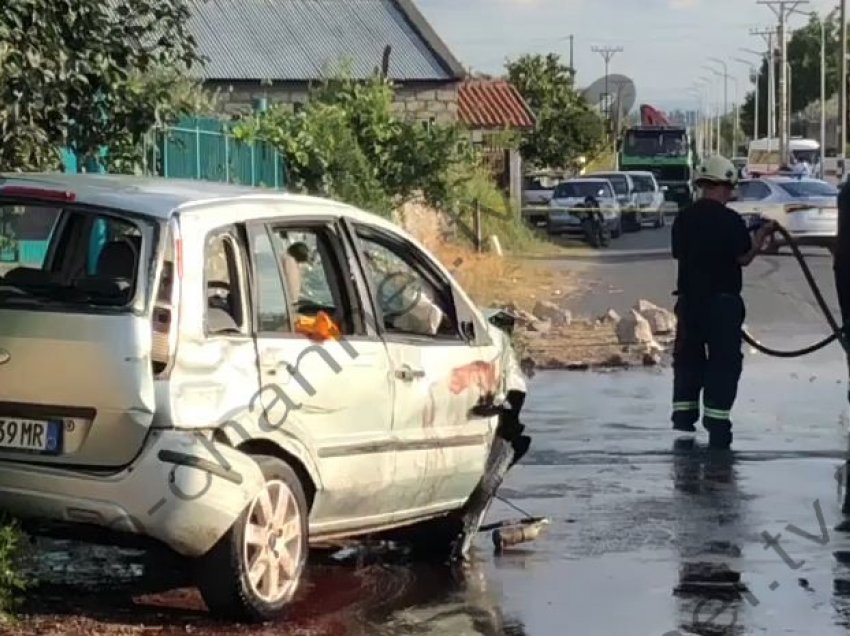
(224, 573)
(617, 230)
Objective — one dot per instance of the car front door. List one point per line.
(444, 364)
(330, 393)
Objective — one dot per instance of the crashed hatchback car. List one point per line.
(236, 374)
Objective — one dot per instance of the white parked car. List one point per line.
(807, 208)
(236, 374)
(648, 198)
(624, 190)
(573, 198)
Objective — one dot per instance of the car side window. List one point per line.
(313, 275)
(752, 191)
(223, 282)
(411, 299)
(272, 308)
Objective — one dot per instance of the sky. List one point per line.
(666, 43)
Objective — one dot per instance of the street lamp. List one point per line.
(771, 89)
(726, 78)
(725, 85)
(754, 77)
(715, 133)
(822, 24)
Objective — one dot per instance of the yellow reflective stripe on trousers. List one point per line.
(685, 406)
(717, 414)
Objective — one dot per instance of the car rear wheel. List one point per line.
(617, 230)
(253, 572)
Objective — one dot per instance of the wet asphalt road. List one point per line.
(644, 527)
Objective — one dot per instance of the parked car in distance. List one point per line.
(649, 198)
(235, 374)
(537, 190)
(574, 197)
(806, 207)
(624, 189)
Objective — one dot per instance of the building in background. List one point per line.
(269, 52)
(490, 108)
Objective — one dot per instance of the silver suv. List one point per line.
(235, 374)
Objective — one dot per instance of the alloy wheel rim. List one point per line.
(272, 542)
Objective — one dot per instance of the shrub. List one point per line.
(12, 583)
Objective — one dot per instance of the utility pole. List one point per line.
(754, 77)
(572, 68)
(607, 53)
(782, 9)
(768, 35)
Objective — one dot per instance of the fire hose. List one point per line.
(837, 331)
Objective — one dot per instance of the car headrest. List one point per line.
(117, 260)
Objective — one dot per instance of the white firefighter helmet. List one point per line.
(717, 169)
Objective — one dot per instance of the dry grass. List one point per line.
(494, 280)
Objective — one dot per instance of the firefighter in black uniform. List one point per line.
(711, 243)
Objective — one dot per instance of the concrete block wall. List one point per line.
(424, 102)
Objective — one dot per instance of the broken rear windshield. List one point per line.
(51, 254)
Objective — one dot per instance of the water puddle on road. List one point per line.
(648, 535)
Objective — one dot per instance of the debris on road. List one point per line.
(634, 329)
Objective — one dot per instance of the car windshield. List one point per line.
(621, 186)
(55, 255)
(582, 189)
(813, 188)
(643, 184)
(656, 143)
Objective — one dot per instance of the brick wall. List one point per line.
(424, 102)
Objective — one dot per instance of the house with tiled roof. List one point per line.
(269, 51)
(487, 108)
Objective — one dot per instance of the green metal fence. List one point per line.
(206, 149)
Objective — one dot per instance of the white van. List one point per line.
(763, 158)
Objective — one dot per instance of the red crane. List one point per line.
(650, 116)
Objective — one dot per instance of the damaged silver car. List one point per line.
(237, 374)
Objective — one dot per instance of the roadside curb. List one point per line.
(604, 255)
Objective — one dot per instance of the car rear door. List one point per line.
(443, 363)
(76, 374)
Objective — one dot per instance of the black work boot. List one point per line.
(685, 421)
(719, 433)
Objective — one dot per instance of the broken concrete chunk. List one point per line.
(610, 316)
(546, 310)
(661, 321)
(634, 329)
(540, 326)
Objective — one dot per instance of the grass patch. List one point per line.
(12, 583)
(498, 216)
(494, 280)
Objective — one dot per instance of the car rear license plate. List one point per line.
(20, 433)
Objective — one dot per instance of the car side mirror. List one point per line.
(664, 188)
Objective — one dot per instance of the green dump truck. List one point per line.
(664, 150)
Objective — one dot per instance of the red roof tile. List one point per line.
(493, 104)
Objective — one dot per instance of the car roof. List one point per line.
(583, 178)
(159, 197)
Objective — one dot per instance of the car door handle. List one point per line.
(408, 374)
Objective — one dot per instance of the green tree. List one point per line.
(87, 74)
(566, 126)
(347, 143)
(804, 50)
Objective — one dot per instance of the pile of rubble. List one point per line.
(551, 338)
